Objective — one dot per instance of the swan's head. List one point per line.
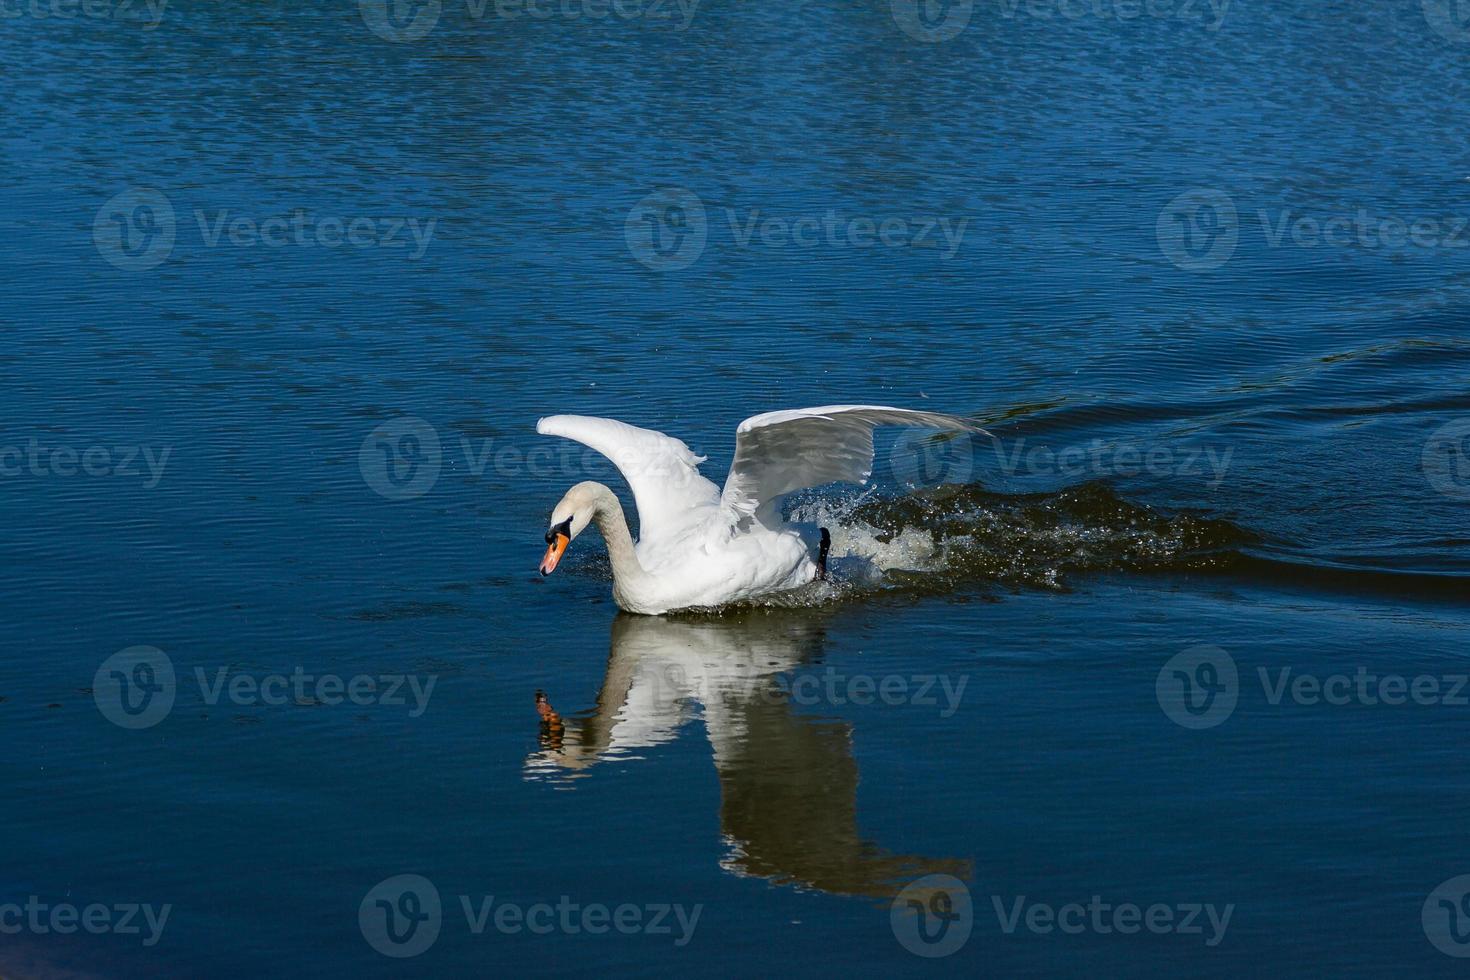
(569, 519)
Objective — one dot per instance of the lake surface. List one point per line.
(287, 286)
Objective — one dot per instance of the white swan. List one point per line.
(698, 545)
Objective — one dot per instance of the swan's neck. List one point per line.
(608, 516)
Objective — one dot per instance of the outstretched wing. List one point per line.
(661, 471)
(779, 452)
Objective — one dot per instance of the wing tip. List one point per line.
(826, 412)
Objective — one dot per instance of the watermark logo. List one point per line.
(400, 20)
(650, 11)
(34, 459)
(1123, 11)
(1199, 687)
(148, 13)
(412, 20)
(1105, 918)
(932, 916)
(135, 230)
(924, 458)
(1099, 459)
(401, 916)
(1198, 230)
(1446, 459)
(404, 458)
(1446, 917)
(673, 686)
(63, 918)
(932, 21)
(831, 230)
(667, 230)
(303, 229)
(400, 459)
(363, 690)
(1450, 19)
(135, 688)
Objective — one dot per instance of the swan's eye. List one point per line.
(565, 527)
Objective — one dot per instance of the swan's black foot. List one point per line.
(822, 550)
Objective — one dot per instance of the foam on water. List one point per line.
(959, 537)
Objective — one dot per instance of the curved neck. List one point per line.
(608, 516)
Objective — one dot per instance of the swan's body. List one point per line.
(700, 545)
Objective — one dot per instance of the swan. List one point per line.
(700, 546)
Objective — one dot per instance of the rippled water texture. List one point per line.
(287, 286)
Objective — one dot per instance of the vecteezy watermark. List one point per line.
(1200, 688)
(137, 230)
(932, 916)
(136, 688)
(925, 458)
(149, 13)
(400, 459)
(933, 21)
(400, 20)
(1210, 13)
(302, 228)
(63, 918)
(1450, 19)
(833, 688)
(34, 459)
(679, 14)
(413, 20)
(1199, 230)
(1364, 687)
(1446, 459)
(1108, 459)
(402, 916)
(831, 229)
(668, 230)
(1446, 917)
(1106, 918)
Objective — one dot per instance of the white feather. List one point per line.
(781, 452)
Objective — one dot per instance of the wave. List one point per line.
(950, 537)
(955, 539)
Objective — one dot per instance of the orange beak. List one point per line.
(554, 551)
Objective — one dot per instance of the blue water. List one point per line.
(1217, 426)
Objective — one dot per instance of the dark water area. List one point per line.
(287, 287)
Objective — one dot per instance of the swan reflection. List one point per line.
(788, 780)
